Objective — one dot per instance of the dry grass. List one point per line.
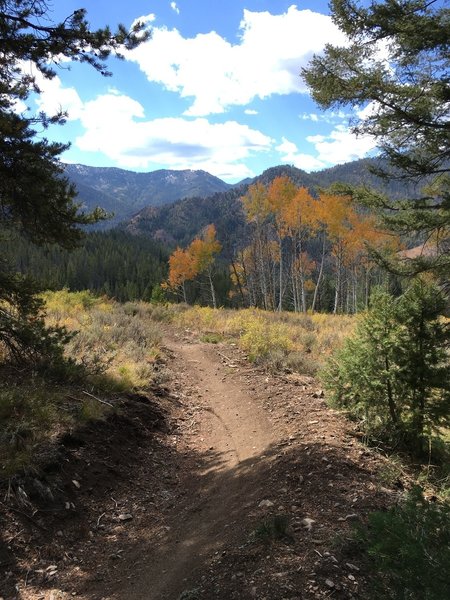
(119, 344)
(118, 350)
(283, 340)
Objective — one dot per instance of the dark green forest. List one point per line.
(115, 263)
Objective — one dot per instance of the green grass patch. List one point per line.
(29, 411)
(212, 338)
(273, 528)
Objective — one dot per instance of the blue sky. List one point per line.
(216, 88)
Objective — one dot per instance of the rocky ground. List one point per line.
(228, 483)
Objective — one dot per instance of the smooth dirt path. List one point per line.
(233, 436)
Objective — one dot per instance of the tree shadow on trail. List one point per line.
(150, 520)
(48, 511)
(220, 512)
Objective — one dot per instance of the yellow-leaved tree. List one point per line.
(281, 194)
(257, 210)
(203, 251)
(182, 268)
(198, 258)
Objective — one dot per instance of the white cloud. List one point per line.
(19, 107)
(217, 74)
(54, 98)
(341, 146)
(370, 110)
(115, 126)
(331, 117)
(144, 20)
(338, 147)
(176, 143)
(173, 6)
(290, 155)
(250, 111)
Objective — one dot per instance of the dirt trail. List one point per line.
(171, 491)
(234, 433)
(236, 427)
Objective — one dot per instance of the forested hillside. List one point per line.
(114, 263)
(181, 221)
(356, 172)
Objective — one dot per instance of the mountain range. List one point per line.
(124, 193)
(173, 206)
(181, 221)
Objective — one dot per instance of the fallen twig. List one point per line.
(15, 536)
(100, 518)
(225, 357)
(98, 399)
(24, 514)
(73, 398)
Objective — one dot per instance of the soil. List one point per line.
(226, 483)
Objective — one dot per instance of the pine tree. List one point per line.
(394, 372)
(424, 365)
(396, 67)
(35, 198)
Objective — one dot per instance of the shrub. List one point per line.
(211, 338)
(409, 550)
(158, 295)
(278, 340)
(65, 302)
(261, 338)
(25, 338)
(273, 528)
(28, 410)
(117, 345)
(394, 372)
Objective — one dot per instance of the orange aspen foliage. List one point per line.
(182, 268)
(300, 214)
(281, 193)
(349, 231)
(185, 265)
(333, 212)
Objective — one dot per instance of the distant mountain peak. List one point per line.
(124, 192)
